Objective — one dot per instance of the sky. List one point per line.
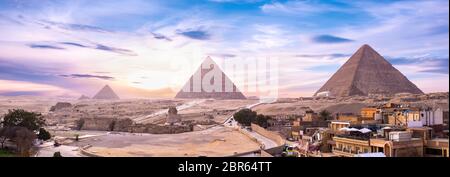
(149, 48)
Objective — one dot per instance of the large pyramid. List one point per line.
(106, 93)
(222, 88)
(367, 72)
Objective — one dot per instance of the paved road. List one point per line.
(66, 151)
(233, 122)
(267, 143)
(48, 149)
(164, 111)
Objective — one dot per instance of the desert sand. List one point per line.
(214, 142)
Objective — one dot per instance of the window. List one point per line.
(366, 150)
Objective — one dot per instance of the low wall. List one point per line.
(246, 154)
(272, 152)
(84, 152)
(158, 129)
(274, 136)
(249, 136)
(123, 125)
(265, 154)
(127, 125)
(275, 150)
(101, 124)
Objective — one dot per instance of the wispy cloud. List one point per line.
(34, 71)
(115, 50)
(160, 36)
(299, 7)
(330, 39)
(427, 64)
(334, 55)
(88, 76)
(266, 37)
(235, 1)
(44, 46)
(77, 27)
(9, 19)
(74, 44)
(146, 38)
(195, 34)
(223, 55)
(57, 46)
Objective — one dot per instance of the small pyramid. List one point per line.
(223, 88)
(367, 72)
(84, 97)
(106, 93)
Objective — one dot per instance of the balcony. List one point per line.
(355, 137)
(344, 152)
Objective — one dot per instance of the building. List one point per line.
(347, 146)
(356, 119)
(323, 94)
(349, 117)
(310, 116)
(445, 118)
(433, 147)
(404, 115)
(396, 144)
(309, 120)
(336, 125)
(400, 116)
(437, 147)
(412, 147)
(391, 130)
(314, 140)
(295, 132)
(369, 113)
(433, 116)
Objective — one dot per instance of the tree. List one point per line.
(245, 116)
(262, 120)
(112, 125)
(325, 115)
(80, 123)
(24, 140)
(57, 154)
(21, 118)
(44, 134)
(5, 134)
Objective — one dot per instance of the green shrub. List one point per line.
(44, 134)
(57, 154)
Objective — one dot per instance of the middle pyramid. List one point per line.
(209, 81)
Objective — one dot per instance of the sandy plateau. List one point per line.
(212, 139)
(214, 142)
